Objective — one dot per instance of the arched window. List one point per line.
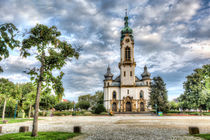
(114, 95)
(141, 94)
(127, 53)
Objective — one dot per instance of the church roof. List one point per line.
(145, 74)
(108, 75)
(126, 29)
(117, 79)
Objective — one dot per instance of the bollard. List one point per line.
(0, 129)
(5, 121)
(193, 130)
(77, 129)
(24, 129)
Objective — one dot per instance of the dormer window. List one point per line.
(127, 53)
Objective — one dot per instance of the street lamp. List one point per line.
(156, 108)
(15, 109)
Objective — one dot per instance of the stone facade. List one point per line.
(127, 93)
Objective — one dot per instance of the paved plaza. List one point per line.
(121, 127)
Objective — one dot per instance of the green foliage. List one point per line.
(97, 98)
(158, 95)
(104, 113)
(47, 102)
(10, 108)
(204, 136)
(17, 120)
(52, 54)
(41, 136)
(8, 33)
(64, 106)
(62, 113)
(7, 88)
(25, 95)
(87, 113)
(7, 91)
(74, 113)
(197, 90)
(99, 108)
(174, 105)
(83, 105)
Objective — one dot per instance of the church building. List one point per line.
(127, 92)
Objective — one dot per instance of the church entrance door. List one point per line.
(128, 106)
(114, 107)
(141, 106)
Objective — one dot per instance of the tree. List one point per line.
(173, 105)
(47, 102)
(22, 91)
(83, 105)
(7, 90)
(197, 89)
(158, 95)
(30, 100)
(97, 98)
(8, 32)
(98, 109)
(52, 54)
(64, 106)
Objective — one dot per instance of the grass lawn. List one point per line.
(12, 120)
(204, 136)
(41, 136)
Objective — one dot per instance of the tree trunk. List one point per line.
(36, 110)
(29, 114)
(4, 108)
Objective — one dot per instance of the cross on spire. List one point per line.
(126, 12)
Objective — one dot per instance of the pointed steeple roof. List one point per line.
(108, 75)
(145, 74)
(126, 29)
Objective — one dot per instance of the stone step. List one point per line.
(136, 113)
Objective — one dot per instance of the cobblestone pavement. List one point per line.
(121, 127)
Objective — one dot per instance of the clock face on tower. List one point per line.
(127, 40)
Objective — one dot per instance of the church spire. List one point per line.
(126, 29)
(145, 74)
(126, 18)
(108, 75)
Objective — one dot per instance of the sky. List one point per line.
(171, 37)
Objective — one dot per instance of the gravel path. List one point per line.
(121, 127)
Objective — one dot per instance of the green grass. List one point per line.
(12, 120)
(204, 136)
(41, 136)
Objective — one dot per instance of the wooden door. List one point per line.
(141, 106)
(114, 107)
(128, 106)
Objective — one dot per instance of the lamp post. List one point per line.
(156, 108)
(15, 110)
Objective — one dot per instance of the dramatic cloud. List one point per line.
(171, 38)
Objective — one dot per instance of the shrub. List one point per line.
(87, 113)
(83, 105)
(64, 106)
(61, 113)
(104, 113)
(99, 108)
(74, 114)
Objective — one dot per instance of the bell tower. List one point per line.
(127, 64)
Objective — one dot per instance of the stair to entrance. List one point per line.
(145, 113)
